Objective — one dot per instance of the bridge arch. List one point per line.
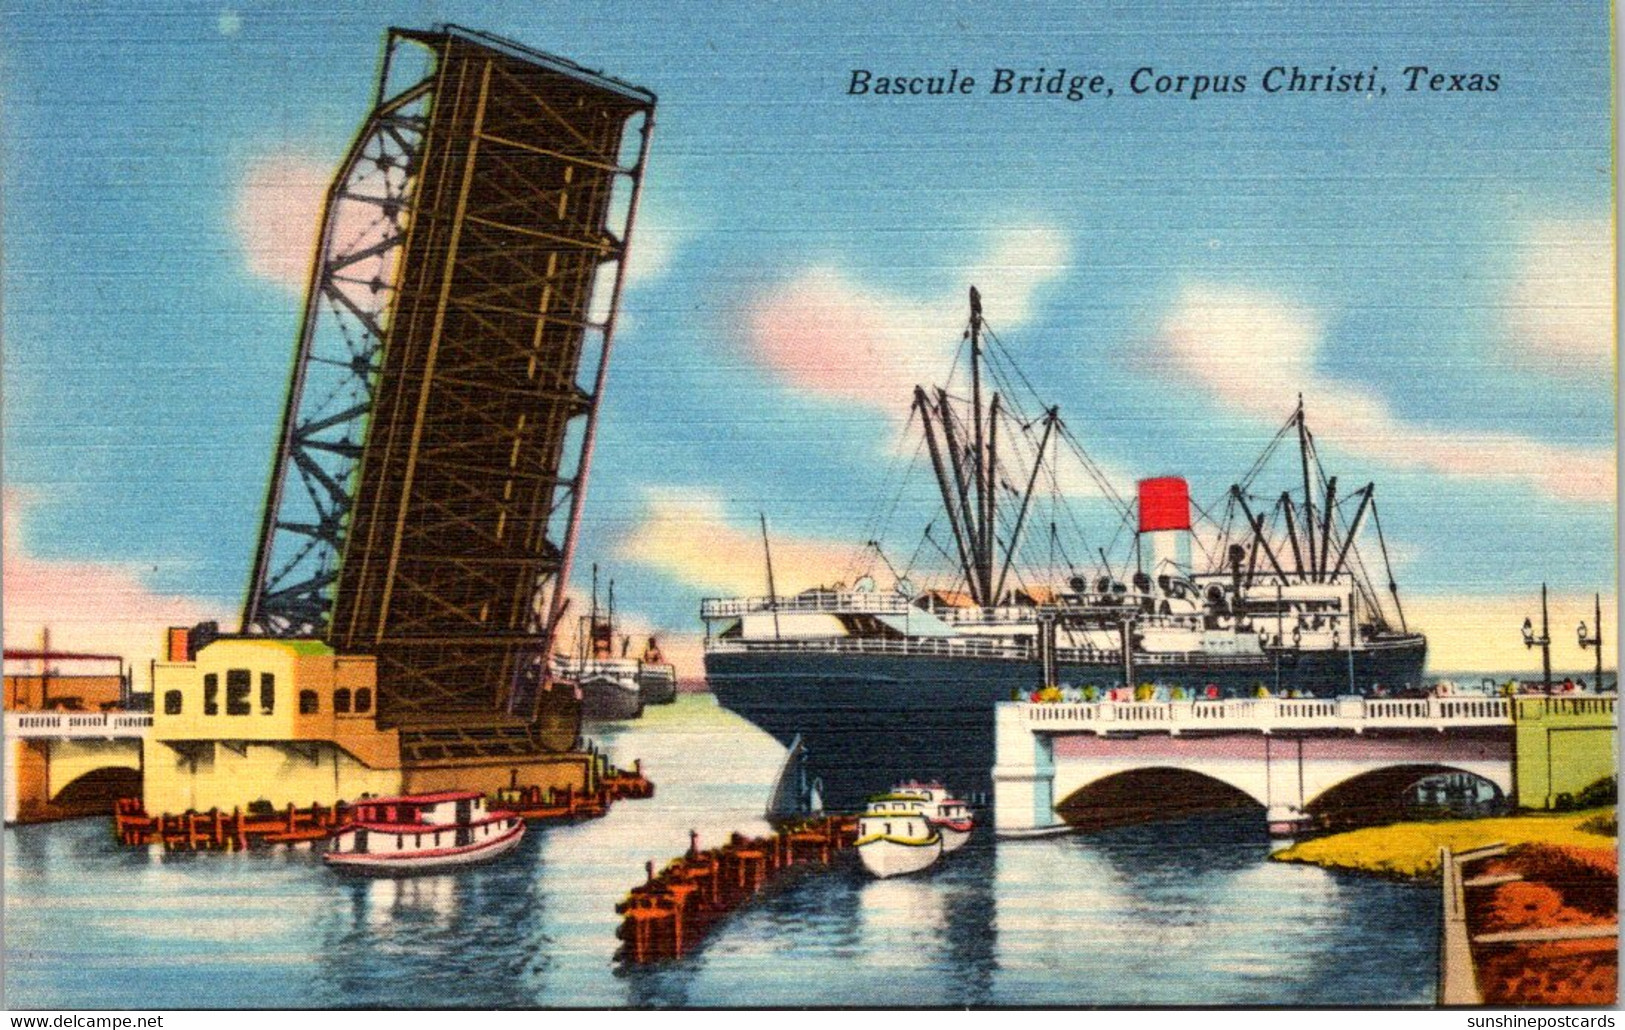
(1378, 795)
(1153, 793)
(96, 790)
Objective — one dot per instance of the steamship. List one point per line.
(883, 682)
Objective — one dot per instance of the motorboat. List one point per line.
(947, 814)
(895, 837)
(422, 833)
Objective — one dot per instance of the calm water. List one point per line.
(1187, 914)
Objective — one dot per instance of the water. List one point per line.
(1190, 913)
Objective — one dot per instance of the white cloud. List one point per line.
(688, 535)
(102, 607)
(825, 332)
(1561, 307)
(1257, 352)
(278, 216)
(657, 237)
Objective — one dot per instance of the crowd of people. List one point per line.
(1068, 694)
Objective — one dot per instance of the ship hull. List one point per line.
(657, 684)
(610, 700)
(870, 720)
(888, 856)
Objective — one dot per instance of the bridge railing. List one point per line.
(1264, 714)
(77, 724)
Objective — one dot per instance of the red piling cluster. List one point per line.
(666, 917)
(537, 805)
(215, 830)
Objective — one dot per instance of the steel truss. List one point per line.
(347, 313)
(431, 537)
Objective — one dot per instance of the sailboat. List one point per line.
(796, 794)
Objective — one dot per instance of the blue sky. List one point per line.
(1433, 271)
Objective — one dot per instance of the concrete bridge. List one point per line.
(1299, 760)
(64, 764)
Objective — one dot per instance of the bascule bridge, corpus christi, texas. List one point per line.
(426, 494)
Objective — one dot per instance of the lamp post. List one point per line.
(1594, 641)
(1544, 640)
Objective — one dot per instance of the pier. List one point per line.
(217, 830)
(1298, 759)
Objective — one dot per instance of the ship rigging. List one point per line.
(1272, 594)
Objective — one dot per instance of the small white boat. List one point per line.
(422, 833)
(895, 838)
(947, 814)
(611, 688)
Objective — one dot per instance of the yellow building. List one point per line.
(239, 721)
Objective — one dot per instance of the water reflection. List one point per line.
(1190, 913)
(1183, 914)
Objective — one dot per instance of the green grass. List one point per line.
(1412, 849)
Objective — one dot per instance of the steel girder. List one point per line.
(430, 533)
(336, 365)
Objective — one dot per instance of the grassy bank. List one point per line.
(1412, 849)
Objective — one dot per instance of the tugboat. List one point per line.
(610, 690)
(947, 814)
(895, 838)
(422, 833)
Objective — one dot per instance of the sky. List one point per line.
(1433, 271)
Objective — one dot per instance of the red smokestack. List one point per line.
(1165, 503)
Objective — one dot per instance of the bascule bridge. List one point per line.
(427, 484)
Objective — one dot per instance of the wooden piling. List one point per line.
(669, 914)
(215, 830)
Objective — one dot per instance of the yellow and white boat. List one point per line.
(895, 836)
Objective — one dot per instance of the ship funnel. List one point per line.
(1165, 524)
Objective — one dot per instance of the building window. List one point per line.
(239, 684)
(172, 702)
(309, 703)
(211, 694)
(363, 700)
(267, 693)
(341, 699)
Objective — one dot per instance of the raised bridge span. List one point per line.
(1296, 759)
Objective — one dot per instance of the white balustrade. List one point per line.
(1265, 714)
(77, 724)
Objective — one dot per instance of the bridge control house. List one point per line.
(285, 721)
(242, 720)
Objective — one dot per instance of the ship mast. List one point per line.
(981, 463)
(967, 470)
(1308, 494)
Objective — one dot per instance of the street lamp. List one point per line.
(1594, 640)
(1544, 640)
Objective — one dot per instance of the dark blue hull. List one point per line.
(870, 720)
